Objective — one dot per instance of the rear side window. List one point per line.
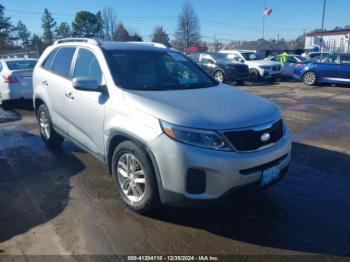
(63, 60)
(49, 60)
(87, 66)
(345, 59)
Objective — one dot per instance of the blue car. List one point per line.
(329, 68)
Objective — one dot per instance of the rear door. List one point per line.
(57, 81)
(85, 109)
(327, 67)
(344, 68)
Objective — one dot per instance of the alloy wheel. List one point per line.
(44, 125)
(309, 78)
(219, 76)
(131, 178)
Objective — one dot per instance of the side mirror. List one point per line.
(86, 84)
(241, 60)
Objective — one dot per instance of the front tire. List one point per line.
(219, 76)
(134, 177)
(48, 134)
(310, 78)
(254, 75)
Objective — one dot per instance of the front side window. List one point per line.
(21, 64)
(206, 58)
(328, 59)
(154, 70)
(63, 60)
(87, 66)
(234, 57)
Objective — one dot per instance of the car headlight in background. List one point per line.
(197, 137)
(265, 67)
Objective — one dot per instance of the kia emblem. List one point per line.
(265, 137)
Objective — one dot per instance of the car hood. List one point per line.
(262, 62)
(220, 107)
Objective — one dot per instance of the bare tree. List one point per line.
(109, 22)
(188, 29)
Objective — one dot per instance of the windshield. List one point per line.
(152, 70)
(21, 64)
(301, 58)
(250, 56)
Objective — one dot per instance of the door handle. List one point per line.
(45, 83)
(70, 95)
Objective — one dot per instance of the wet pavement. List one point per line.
(64, 202)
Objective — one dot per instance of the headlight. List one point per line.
(197, 137)
(265, 67)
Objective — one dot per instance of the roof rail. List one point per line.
(76, 39)
(149, 43)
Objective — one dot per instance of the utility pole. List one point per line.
(322, 28)
(263, 32)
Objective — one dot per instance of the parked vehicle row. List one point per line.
(258, 67)
(167, 131)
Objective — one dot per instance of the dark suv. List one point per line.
(222, 68)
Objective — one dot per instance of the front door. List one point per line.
(85, 109)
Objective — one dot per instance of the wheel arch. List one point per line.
(37, 103)
(118, 137)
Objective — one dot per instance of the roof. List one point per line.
(113, 45)
(330, 32)
(18, 59)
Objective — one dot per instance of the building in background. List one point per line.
(333, 41)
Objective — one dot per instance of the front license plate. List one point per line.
(269, 175)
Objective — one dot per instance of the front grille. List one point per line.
(276, 68)
(241, 71)
(250, 139)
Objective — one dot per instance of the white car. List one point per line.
(258, 68)
(292, 61)
(16, 79)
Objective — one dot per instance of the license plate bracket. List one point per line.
(269, 175)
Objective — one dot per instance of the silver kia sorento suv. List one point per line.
(167, 131)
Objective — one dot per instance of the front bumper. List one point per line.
(223, 170)
(271, 74)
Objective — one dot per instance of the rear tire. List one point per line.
(48, 134)
(134, 177)
(310, 79)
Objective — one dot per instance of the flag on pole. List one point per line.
(267, 11)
